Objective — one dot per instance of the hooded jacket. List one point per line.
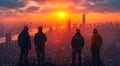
(24, 40)
(77, 41)
(96, 41)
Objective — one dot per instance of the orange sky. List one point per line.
(50, 12)
(55, 17)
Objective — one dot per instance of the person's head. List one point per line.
(77, 30)
(40, 29)
(95, 31)
(25, 28)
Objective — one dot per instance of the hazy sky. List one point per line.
(59, 10)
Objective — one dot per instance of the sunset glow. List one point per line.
(59, 32)
(58, 11)
(61, 14)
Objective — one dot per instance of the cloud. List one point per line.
(32, 9)
(39, 0)
(11, 3)
(104, 6)
(46, 6)
(7, 13)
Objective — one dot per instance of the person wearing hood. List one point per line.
(39, 40)
(24, 43)
(77, 44)
(96, 43)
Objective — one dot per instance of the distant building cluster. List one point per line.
(58, 48)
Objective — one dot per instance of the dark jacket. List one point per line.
(77, 41)
(96, 41)
(24, 40)
(40, 39)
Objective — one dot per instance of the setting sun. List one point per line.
(61, 14)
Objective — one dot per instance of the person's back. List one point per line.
(24, 40)
(39, 40)
(77, 41)
(77, 44)
(24, 44)
(96, 43)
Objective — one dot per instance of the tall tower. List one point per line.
(84, 20)
(69, 24)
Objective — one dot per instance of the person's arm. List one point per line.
(29, 41)
(45, 38)
(35, 39)
(92, 41)
(19, 43)
(83, 41)
(101, 41)
(72, 42)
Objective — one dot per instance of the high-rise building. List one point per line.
(69, 24)
(84, 20)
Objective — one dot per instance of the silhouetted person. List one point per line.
(39, 40)
(24, 43)
(77, 46)
(96, 43)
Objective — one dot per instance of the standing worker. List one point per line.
(24, 43)
(39, 40)
(77, 46)
(96, 43)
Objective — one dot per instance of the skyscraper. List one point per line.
(84, 20)
(69, 24)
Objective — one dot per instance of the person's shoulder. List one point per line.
(22, 32)
(19, 34)
(42, 33)
(93, 36)
(36, 33)
(98, 35)
(74, 36)
(82, 37)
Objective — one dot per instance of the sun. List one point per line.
(61, 14)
